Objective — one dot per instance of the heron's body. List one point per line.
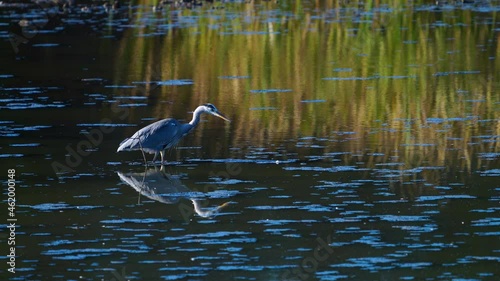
(164, 134)
(157, 136)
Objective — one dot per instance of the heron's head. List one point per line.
(211, 109)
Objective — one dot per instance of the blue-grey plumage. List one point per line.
(164, 134)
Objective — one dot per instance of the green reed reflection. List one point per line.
(414, 82)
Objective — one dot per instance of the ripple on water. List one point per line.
(417, 228)
(486, 222)
(237, 160)
(491, 173)
(463, 72)
(192, 271)
(175, 82)
(435, 120)
(213, 238)
(17, 155)
(347, 78)
(31, 128)
(45, 45)
(142, 220)
(333, 184)
(25, 144)
(105, 125)
(491, 233)
(49, 207)
(443, 197)
(267, 207)
(271, 222)
(334, 169)
(226, 182)
(219, 194)
(67, 242)
(488, 210)
(234, 77)
(269, 91)
(130, 98)
(342, 69)
(132, 104)
(278, 231)
(414, 265)
(419, 144)
(312, 101)
(80, 254)
(32, 105)
(357, 78)
(250, 267)
(475, 259)
(394, 218)
(93, 79)
(330, 275)
(372, 264)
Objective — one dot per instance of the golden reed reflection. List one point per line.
(418, 85)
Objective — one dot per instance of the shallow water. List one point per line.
(364, 142)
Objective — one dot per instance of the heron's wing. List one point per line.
(154, 137)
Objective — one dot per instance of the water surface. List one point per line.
(364, 140)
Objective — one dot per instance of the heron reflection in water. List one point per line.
(164, 134)
(160, 186)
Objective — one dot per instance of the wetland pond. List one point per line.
(364, 142)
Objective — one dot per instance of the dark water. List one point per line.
(364, 142)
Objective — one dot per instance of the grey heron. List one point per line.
(164, 134)
(168, 189)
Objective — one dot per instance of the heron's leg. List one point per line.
(161, 154)
(156, 155)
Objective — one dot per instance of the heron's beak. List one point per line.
(220, 115)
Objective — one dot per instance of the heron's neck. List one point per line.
(196, 116)
(201, 212)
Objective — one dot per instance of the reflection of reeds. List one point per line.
(386, 98)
